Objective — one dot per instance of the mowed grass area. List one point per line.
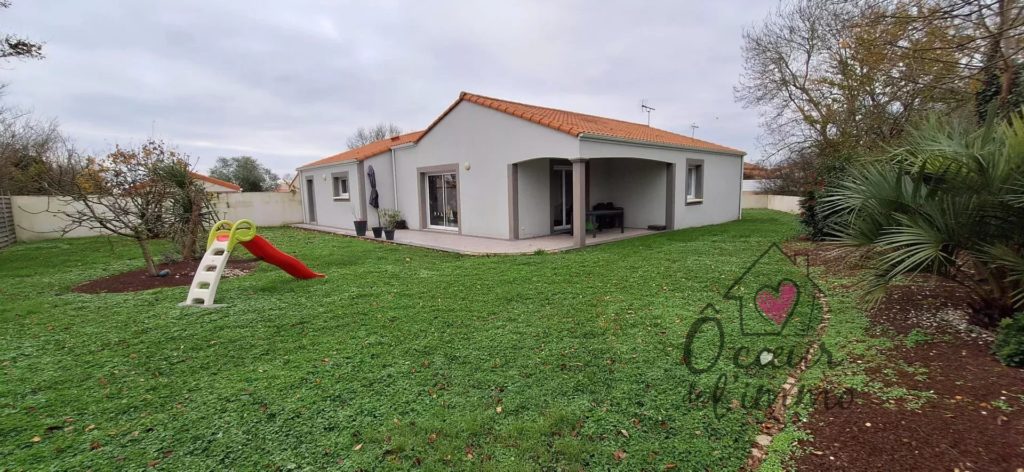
(401, 358)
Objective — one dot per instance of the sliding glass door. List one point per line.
(561, 192)
(442, 201)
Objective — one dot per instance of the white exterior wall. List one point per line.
(752, 185)
(534, 198)
(723, 175)
(488, 140)
(784, 203)
(329, 211)
(39, 217)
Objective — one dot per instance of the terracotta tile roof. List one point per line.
(576, 124)
(222, 183)
(568, 122)
(367, 151)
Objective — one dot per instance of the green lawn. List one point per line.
(401, 357)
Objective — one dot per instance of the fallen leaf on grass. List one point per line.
(36, 439)
(432, 438)
(619, 455)
(624, 432)
(670, 466)
(90, 428)
(499, 409)
(358, 447)
(95, 445)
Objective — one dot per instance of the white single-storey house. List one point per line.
(499, 169)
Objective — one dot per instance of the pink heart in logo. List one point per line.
(777, 308)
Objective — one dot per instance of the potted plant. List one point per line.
(377, 230)
(390, 218)
(360, 224)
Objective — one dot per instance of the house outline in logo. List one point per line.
(748, 328)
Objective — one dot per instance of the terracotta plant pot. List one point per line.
(389, 234)
(377, 230)
(360, 228)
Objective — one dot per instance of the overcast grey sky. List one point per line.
(287, 82)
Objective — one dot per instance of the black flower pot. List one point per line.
(360, 228)
(377, 230)
(389, 234)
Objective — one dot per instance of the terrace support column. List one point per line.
(579, 202)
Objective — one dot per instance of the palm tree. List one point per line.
(949, 202)
(189, 210)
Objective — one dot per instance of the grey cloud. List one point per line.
(288, 82)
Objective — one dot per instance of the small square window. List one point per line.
(340, 186)
(694, 183)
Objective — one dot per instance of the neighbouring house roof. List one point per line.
(577, 124)
(222, 183)
(754, 172)
(572, 123)
(367, 151)
(286, 185)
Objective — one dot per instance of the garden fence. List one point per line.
(6, 222)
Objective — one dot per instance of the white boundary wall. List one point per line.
(784, 203)
(40, 217)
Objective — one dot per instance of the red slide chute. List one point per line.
(262, 249)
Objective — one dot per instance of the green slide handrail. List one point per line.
(239, 231)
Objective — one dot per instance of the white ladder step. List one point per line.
(207, 277)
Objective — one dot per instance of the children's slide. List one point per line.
(219, 245)
(263, 250)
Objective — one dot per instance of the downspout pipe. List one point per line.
(394, 176)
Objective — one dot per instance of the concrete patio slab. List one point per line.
(472, 245)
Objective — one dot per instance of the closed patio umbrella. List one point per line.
(374, 197)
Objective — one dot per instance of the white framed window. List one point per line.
(694, 181)
(339, 185)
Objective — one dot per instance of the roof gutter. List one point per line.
(634, 142)
(329, 164)
(352, 160)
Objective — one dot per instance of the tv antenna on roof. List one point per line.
(693, 128)
(646, 109)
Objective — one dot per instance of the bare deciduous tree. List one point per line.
(16, 47)
(35, 157)
(364, 136)
(123, 194)
(830, 83)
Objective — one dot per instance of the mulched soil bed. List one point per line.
(181, 275)
(959, 429)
